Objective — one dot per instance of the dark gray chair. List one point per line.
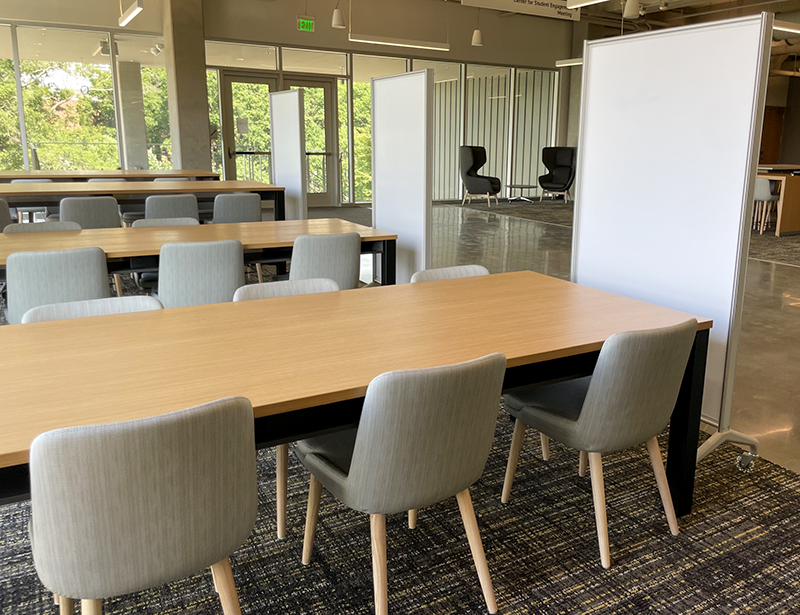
(41, 278)
(472, 159)
(626, 401)
(560, 163)
(123, 507)
(424, 436)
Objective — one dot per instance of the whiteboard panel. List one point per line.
(670, 125)
(402, 113)
(287, 125)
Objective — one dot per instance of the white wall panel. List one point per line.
(289, 150)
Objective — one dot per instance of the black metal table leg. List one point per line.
(684, 430)
(280, 202)
(388, 259)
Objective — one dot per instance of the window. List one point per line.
(447, 107)
(235, 55)
(533, 120)
(344, 140)
(487, 116)
(10, 141)
(142, 102)
(319, 62)
(212, 86)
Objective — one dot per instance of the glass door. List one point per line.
(245, 125)
(321, 142)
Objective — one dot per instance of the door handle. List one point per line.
(231, 152)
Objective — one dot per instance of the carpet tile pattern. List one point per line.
(739, 551)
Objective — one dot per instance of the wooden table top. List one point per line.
(292, 352)
(64, 189)
(147, 241)
(83, 175)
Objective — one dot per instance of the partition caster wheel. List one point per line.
(745, 462)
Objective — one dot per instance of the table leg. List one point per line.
(684, 430)
(280, 203)
(389, 263)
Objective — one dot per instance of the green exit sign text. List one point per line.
(305, 23)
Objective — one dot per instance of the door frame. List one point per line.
(331, 198)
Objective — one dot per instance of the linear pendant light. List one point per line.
(133, 10)
(576, 4)
(786, 26)
(570, 62)
(397, 42)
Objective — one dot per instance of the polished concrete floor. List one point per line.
(766, 400)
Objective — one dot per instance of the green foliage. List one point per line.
(362, 141)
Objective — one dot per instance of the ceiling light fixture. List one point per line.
(338, 18)
(631, 10)
(576, 4)
(570, 62)
(133, 10)
(477, 35)
(397, 42)
(786, 26)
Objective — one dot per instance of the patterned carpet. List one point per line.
(739, 551)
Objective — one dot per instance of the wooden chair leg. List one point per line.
(545, 446)
(91, 607)
(663, 486)
(599, 497)
(118, 284)
(476, 546)
(464, 200)
(513, 458)
(260, 275)
(223, 580)
(583, 461)
(66, 606)
(314, 494)
(377, 525)
(281, 485)
(56, 598)
(412, 518)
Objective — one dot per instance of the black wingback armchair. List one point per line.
(560, 162)
(473, 158)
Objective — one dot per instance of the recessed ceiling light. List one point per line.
(240, 59)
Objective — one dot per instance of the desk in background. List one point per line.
(82, 176)
(305, 362)
(788, 221)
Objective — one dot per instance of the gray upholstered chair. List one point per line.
(19, 201)
(5, 215)
(171, 206)
(336, 256)
(146, 222)
(271, 290)
(626, 401)
(108, 520)
(99, 180)
(765, 199)
(196, 273)
(285, 289)
(449, 273)
(174, 179)
(424, 436)
(38, 227)
(41, 278)
(236, 207)
(91, 307)
(91, 211)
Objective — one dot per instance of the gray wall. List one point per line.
(790, 144)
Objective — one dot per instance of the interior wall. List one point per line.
(790, 144)
(514, 40)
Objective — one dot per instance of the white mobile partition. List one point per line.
(402, 120)
(287, 128)
(669, 135)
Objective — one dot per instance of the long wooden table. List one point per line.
(78, 176)
(270, 239)
(305, 361)
(48, 190)
(788, 217)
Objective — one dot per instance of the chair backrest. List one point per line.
(157, 498)
(5, 215)
(106, 179)
(473, 157)
(91, 211)
(32, 180)
(336, 256)
(285, 288)
(41, 278)
(39, 227)
(173, 179)
(763, 190)
(449, 273)
(560, 163)
(634, 386)
(165, 222)
(91, 307)
(201, 272)
(171, 206)
(229, 208)
(424, 434)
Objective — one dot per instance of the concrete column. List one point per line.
(184, 46)
(134, 131)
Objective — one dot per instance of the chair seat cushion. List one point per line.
(147, 281)
(552, 409)
(336, 448)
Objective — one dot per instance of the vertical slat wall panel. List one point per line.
(447, 106)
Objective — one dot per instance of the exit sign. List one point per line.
(305, 23)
